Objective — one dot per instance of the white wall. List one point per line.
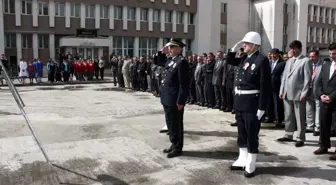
(208, 27)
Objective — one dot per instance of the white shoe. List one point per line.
(250, 165)
(240, 163)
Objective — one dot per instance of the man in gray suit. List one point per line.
(217, 81)
(294, 91)
(198, 76)
(313, 100)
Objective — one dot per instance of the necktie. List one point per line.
(314, 69)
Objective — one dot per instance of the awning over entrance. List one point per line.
(84, 42)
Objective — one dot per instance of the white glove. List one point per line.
(260, 114)
(237, 46)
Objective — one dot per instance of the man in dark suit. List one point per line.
(174, 92)
(192, 85)
(228, 82)
(275, 107)
(209, 89)
(327, 94)
(217, 81)
(250, 102)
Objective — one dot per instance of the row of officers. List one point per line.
(246, 84)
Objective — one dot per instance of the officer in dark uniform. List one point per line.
(252, 87)
(174, 92)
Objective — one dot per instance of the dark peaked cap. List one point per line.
(175, 42)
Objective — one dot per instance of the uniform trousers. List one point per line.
(248, 130)
(174, 121)
(326, 116)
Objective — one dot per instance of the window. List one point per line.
(327, 13)
(323, 32)
(285, 30)
(188, 45)
(156, 16)
(131, 14)
(43, 41)
(165, 41)
(223, 28)
(328, 33)
(75, 10)
(104, 11)
(128, 46)
(321, 11)
(118, 13)
(90, 11)
(315, 10)
(190, 18)
(179, 18)
(223, 8)
(285, 8)
(117, 45)
(27, 41)
(147, 46)
(10, 40)
(26, 7)
(317, 32)
(43, 8)
(143, 47)
(333, 13)
(144, 14)
(168, 16)
(311, 31)
(9, 6)
(60, 9)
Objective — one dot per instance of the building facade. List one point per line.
(42, 28)
(313, 22)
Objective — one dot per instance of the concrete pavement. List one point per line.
(100, 134)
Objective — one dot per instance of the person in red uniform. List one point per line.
(90, 70)
(84, 69)
(80, 70)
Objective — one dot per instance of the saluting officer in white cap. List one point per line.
(252, 88)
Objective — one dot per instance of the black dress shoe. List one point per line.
(321, 151)
(163, 131)
(233, 112)
(285, 139)
(174, 153)
(249, 175)
(228, 110)
(316, 133)
(236, 168)
(299, 144)
(309, 131)
(333, 157)
(279, 125)
(167, 150)
(269, 121)
(233, 124)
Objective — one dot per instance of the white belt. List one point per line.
(239, 92)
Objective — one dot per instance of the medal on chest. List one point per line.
(246, 65)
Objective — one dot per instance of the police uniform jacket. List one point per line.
(253, 73)
(175, 84)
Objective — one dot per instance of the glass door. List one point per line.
(89, 53)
